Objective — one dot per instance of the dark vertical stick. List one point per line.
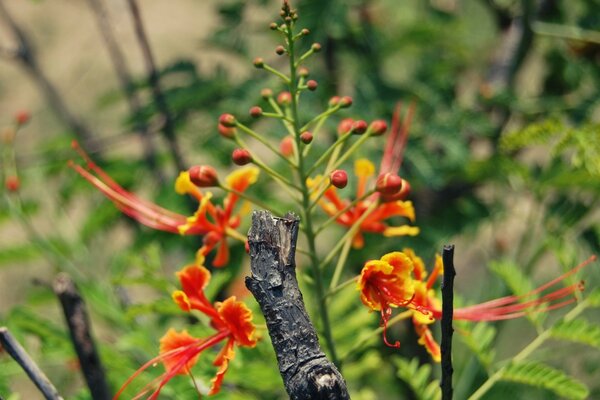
(26, 57)
(447, 315)
(79, 327)
(124, 76)
(18, 353)
(306, 371)
(168, 127)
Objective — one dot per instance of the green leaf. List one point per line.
(18, 254)
(543, 376)
(418, 378)
(480, 340)
(578, 330)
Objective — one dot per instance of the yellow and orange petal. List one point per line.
(183, 184)
(426, 339)
(181, 299)
(238, 319)
(173, 340)
(364, 168)
(419, 270)
(241, 178)
(424, 299)
(222, 361)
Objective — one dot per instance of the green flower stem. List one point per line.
(327, 153)
(308, 224)
(359, 344)
(335, 216)
(265, 142)
(275, 174)
(351, 150)
(317, 197)
(303, 57)
(251, 199)
(277, 73)
(339, 267)
(314, 132)
(320, 118)
(341, 286)
(526, 352)
(349, 234)
(276, 116)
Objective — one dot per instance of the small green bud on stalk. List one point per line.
(339, 178)
(280, 50)
(284, 98)
(306, 137)
(203, 176)
(273, 26)
(305, 32)
(259, 62)
(266, 93)
(316, 47)
(334, 101)
(256, 112)
(303, 72)
(241, 157)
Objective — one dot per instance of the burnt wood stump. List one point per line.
(306, 371)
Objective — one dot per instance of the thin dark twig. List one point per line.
(447, 315)
(25, 55)
(18, 353)
(168, 127)
(79, 327)
(123, 74)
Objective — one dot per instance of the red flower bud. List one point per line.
(312, 85)
(259, 62)
(306, 137)
(388, 184)
(287, 146)
(256, 112)
(227, 120)
(400, 195)
(345, 101)
(303, 72)
(316, 47)
(273, 26)
(203, 176)
(229, 133)
(241, 157)
(284, 98)
(345, 126)
(22, 117)
(334, 101)
(12, 183)
(305, 31)
(378, 127)
(339, 178)
(280, 50)
(266, 93)
(359, 127)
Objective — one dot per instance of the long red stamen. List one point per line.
(385, 316)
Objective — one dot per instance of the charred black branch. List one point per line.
(447, 316)
(79, 327)
(306, 371)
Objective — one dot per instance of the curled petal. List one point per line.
(173, 340)
(241, 178)
(404, 230)
(426, 339)
(238, 319)
(222, 361)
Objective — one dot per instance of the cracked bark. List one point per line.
(304, 368)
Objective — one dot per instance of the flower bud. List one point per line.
(304, 32)
(288, 20)
(312, 85)
(339, 178)
(334, 101)
(256, 112)
(316, 47)
(227, 120)
(378, 127)
(388, 184)
(284, 99)
(400, 195)
(280, 50)
(12, 183)
(22, 117)
(303, 72)
(203, 176)
(266, 93)
(359, 127)
(241, 157)
(259, 62)
(8, 135)
(345, 126)
(273, 26)
(224, 131)
(287, 146)
(345, 101)
(306, 137)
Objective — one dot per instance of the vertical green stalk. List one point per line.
(308, 223)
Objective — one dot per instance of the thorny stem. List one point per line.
(527, 351)
(308, 223)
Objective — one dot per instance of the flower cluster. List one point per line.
(399, 279)
(179, 351)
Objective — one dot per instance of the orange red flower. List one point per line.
(332, 204)
(179, 351)
(215, 222)
(399, 279)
